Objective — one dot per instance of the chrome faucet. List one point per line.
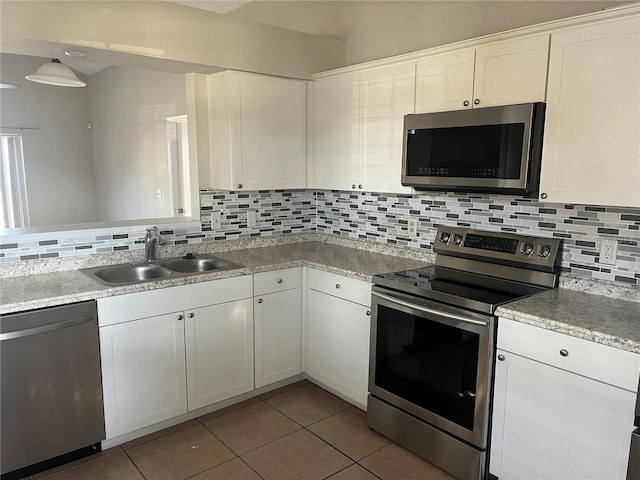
(152, 238)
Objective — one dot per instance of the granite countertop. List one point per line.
(40, 290)
(597, 318)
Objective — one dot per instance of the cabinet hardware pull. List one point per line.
(501, 357)
(465, 103)
(337, 285)
(543, 196)
(564, 353)
(353, 186)
(239, 185)
(368, 313)
(476, 101)
(279, 280)
(360, 187)
(259, 300)
(191, 315)
(180, 317)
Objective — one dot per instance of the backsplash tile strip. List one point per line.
(381, 218)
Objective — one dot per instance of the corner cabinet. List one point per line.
(591, 152)
(563, 407)
(358, 128)
(168, 351)
(257, 132)
(337, 323)
(498, 73)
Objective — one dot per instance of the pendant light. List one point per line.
(55, 73)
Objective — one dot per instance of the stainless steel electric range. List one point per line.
(433, 336)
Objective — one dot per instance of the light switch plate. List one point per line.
(216, 220)
(608, 252)
(251, 218)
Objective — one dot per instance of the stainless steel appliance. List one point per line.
(433, 336)
(495, 149)
(633, 470)
(51, 388)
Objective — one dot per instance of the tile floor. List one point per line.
(299, 432)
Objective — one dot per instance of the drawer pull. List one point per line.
(279, 280)
(337, 285)
(180, 317)
(501, 357)
(191, 315)
(564, 353)
(368, 313)
(259, 300)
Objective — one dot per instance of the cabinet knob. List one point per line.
(337, 285)
(501, 357)
(191, 315)
(239, 185)
(543, 196)
(465, 103)
(564, 353)
(360, 187)
(476, 101)
(353, 186)
(259, 300)
(279, 280)
(180, 317)
(368, 313)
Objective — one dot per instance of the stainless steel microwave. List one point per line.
(493, 150)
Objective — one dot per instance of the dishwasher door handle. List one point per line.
(45, 328)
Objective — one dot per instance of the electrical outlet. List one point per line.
(159, 193)
(251, 218)
(412, 227)
(608, 252)
(216, 220)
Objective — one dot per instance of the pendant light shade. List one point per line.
(55, 73)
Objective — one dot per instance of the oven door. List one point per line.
(433, 361)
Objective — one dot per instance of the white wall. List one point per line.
(129, 108)
(58, 157)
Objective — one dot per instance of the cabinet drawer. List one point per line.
(600, 362)
(123, 308)
(277, 281)
(340, 286)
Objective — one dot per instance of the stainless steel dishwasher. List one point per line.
(50, 388)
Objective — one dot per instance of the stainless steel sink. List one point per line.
(197, 264)
(127, 273)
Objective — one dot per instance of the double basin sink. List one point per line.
(128, 273)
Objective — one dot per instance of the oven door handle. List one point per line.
(432, 311)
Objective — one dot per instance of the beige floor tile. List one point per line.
(160, 433)
(286, 388)
(308, 404)
(180, 454)
(230, 408)
(394, 462)
(251, 427)
(234, 469)
(112, 467)
(354, 472)
(348, 432)
(76, 463)
(298, 456)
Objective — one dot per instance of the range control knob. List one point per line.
(543, 250)
(526, 249)
(457, 239)
(445, 236)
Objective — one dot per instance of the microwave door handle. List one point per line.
(451, 316)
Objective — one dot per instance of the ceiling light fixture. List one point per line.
(55, 73)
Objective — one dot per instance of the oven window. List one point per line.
(427, 363)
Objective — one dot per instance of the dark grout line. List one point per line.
(134, 464)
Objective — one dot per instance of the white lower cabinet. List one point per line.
(552, 423)
(158, 365)
(278, 325)
(337, 321)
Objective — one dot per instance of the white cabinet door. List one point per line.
(387, 94)
(278, 336)
(511, 72)
(591, 152)
(337, 344)
(143, 372)
(445, 82)
(219, 343)
(258, 131)
(337, 132)
(552, 424)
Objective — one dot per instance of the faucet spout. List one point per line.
(151, 239)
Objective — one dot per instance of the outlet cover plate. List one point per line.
(216, 220)
(608, 252)
(412, 227)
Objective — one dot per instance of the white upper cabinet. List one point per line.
(591, 152)
(358, 128)
(499, 73)
(257, 132)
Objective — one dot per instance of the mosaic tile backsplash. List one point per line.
(381, 218)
